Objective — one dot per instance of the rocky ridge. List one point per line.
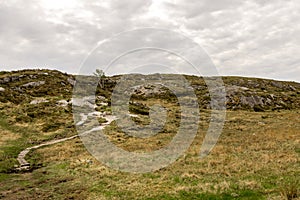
(39, 86)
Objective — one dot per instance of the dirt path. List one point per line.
(25, 165)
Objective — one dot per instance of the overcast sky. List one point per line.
(242, 37)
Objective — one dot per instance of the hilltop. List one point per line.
(254, 94)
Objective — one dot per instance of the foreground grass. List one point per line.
(257, 157)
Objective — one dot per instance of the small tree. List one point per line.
(101, 75)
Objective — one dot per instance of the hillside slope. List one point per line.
(242, 93)
(256, 157)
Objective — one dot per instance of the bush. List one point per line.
(258, 108)
(51, 127)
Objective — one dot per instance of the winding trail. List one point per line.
(25, 165)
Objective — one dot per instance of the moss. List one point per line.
(102, 120)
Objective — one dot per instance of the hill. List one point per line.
(256, 157)
(242, 93)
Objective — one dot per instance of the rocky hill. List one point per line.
(42, 157)
(36, 86)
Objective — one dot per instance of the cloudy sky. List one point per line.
(241, 37)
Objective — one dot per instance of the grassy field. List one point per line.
(257, 157)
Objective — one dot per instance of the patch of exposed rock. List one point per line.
(63, 103)
(38, 101)
(88, 101)
(149, 90)
(71, 81)
(33, 84)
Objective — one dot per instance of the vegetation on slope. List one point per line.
(257, 156)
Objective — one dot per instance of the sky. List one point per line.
(254, 38)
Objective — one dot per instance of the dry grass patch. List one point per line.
(255, 158)
(6, 135)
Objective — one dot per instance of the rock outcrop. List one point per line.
(33, 84)
(241, 93)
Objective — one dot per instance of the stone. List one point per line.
(88, 101)
(38, 101)
(252, 101)
(18, 89)
(234, 89)
(63, 103)
(32, 76)
(2, 89)
(148, 90)
(34, 84)
(272, 96)
(71, 81)
(101, 98)
(268, 101)
(44, 73)
(292, 88)
(6, 80)
(14, 78)
(277, 84)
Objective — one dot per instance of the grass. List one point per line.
(256, 157)
(23, 134)
(243, 194)
(290, 188)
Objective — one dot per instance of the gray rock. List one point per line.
(88, 101)
(2, 89)
(34, 84)
(18, 89)
(101, 98)
(32, 76)
(292, 88)
(148, 90)
(6, 80)
(277, 84)
(38, 101)
(71, 81)
(269, 101)
(272, 96)
(63, 103)
(233, 89)
(252, 101)
(15, 78)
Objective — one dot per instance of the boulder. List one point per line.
(234, 89)
(252, 101)
(33, 84)
(38, 101)
(5, 80)
(63, 103)
(277, 84)
(148, 90)
(292, 88)
(71, 81)
(101, 98)
(87, 101)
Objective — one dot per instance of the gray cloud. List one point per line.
(248, 38)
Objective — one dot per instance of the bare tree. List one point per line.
(101, 75)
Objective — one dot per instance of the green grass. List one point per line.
(229, 195)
